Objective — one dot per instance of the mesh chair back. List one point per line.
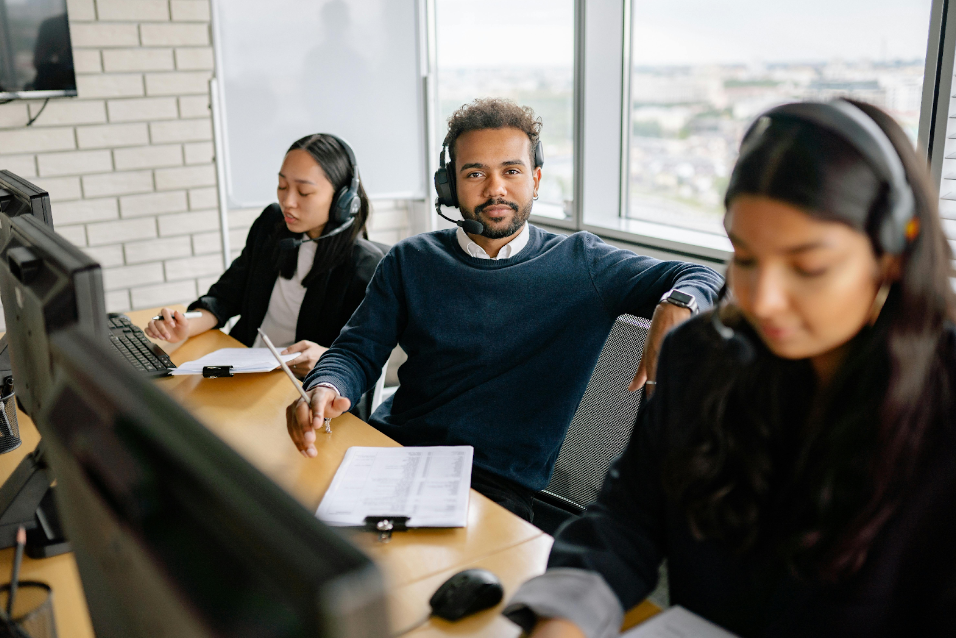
(602, 425)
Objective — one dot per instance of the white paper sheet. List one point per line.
(677, 622)
(241, 360)
(430, 485)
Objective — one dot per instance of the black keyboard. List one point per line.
(133, 345)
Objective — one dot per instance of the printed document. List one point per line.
(241, 360)
(677, 622)
(428, 484)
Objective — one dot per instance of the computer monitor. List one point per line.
(174, 533)
(46, 284)
(36, 56)
(20, 197)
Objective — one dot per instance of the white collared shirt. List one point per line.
(507, 251)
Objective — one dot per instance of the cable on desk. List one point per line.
(412, 627)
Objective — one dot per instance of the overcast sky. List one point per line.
(540, 32)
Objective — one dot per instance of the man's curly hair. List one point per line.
(492, 112)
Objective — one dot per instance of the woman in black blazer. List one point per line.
(796, 466)
(306, 262)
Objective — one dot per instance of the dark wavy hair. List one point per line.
(334, 163)
(814, 474)
(492, 112)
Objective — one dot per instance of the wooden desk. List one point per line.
(59, 572)
(248, 413)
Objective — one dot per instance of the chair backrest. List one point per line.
(602, 424)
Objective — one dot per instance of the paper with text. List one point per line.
(677, 622)
(430, 485)
(241, 360)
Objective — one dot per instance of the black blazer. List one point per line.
(906, 587)
(246, 287)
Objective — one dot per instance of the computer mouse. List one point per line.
(465, 593)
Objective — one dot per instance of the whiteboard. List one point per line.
(289, 68)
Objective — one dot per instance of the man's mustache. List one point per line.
(496, 202)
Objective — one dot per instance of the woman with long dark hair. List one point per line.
(796, 466)
(306, 263)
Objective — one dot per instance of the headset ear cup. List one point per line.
(444, 188)
(339, 213)
(538, 155)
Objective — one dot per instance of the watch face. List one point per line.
(680, 297)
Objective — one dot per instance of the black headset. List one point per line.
(344, 207)
(859, 130)
(347, 202)
(445, 178)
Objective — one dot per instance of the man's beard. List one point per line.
(520, 217)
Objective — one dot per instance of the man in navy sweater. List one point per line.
(503, 328)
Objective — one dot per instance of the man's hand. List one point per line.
(310, 353)
(303, 419)
(666, 317)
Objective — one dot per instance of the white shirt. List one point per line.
(507, 251)
(286, 300)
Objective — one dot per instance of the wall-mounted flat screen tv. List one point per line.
(36, 60)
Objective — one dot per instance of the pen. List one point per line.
(189, 315)
(15, 576)
(285, 368)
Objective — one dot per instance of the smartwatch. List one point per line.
(681, 300)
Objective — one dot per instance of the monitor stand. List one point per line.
(27, 500)
(6, 369)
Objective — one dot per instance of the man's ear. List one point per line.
(536, 176)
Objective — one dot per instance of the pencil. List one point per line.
(288, 373)
(15, 576)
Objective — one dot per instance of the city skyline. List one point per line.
(539, 33)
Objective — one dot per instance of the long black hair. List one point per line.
(815, 473)
(333, 160)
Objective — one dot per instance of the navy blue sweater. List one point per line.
(499, 351)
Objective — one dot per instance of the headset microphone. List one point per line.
(290, 243)
(738, 346)
(471, 226)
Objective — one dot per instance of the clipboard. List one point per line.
(415, 486)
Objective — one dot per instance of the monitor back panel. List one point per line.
(177, 535)
(24, 198)
(46, 284)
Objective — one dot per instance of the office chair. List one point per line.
(600, 429)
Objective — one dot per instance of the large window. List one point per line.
(523, 51)
(702, 70)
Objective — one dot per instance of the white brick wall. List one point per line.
(130, 163)
(138, 60)
(389, 221)
(143, 109)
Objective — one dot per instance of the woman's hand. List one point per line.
(174, 327)
(310, 353)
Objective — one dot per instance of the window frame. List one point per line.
(934, 108)
(602, 64)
